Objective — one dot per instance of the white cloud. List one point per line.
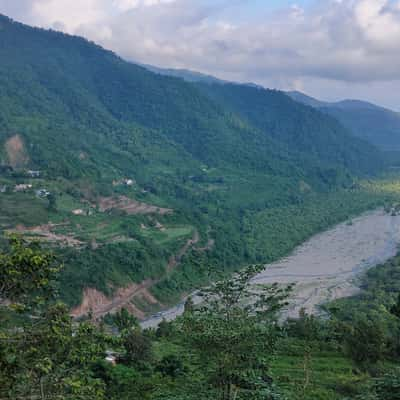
(70, 14)
(125, 5)
(342, 42)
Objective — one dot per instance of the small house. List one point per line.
(128, 182)
(111, 357)
(33, 174)
(22, 187)
(78, 211)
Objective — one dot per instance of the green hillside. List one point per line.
(314, 135)
(147, 178)
(51, 79)
(377, 125)
(79, 97)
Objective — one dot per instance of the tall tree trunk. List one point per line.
(42, 395)
(235, 393)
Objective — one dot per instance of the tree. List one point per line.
(124, 320)
(365, 340)
(234, 332)
(189, 305)
(306, 326)
(51, 358)
(138, 347)
(26, 270)
(127, 383)
(395, 309)
(52, 202)
(385, 387)
(46, 356)
(171, 365)
(388, 386)
(164, 329)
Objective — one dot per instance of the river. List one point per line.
(327, 266)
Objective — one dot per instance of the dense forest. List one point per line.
(377, 125)
(312, 134)
(380, 126)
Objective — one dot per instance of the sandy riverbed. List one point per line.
(326, 267)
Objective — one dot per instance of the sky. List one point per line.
(330, 49)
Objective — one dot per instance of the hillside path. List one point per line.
(100, 305)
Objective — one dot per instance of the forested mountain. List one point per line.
(378, 125)
(130, 174)
(70, 89)
(185, 74)
(292, 124)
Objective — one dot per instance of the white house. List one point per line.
(22, 187)
(33, 174)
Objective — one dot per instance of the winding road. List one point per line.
(99, 305)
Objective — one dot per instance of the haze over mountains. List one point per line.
(376, 124)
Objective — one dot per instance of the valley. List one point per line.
(327, 266)
(116, 168)
(131, 196)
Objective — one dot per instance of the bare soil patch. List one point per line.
(131, 207)
(45, 233)
(99, 305)
(16, 153)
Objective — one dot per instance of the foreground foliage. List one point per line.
(228, 347)
(235, 333)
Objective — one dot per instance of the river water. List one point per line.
(327, 266)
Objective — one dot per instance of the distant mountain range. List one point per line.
(187, 75)
(380, 126)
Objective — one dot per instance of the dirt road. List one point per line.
(99, 305)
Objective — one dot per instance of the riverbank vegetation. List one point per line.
(263, 235)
